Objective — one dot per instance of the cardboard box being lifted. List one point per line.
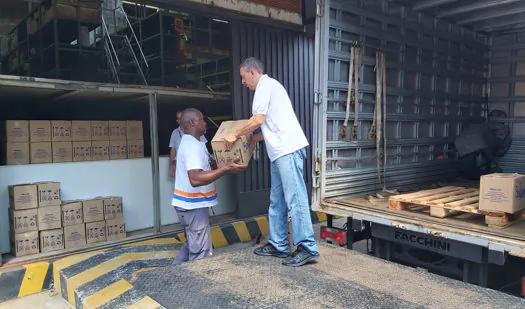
(502, 192)
(242, 148)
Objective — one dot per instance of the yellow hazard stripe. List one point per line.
(262, 222)
(68, 261)
(107, 266)
(34, 278)
(106, 294)
(217, 237)
(242, 231)
(145, 303)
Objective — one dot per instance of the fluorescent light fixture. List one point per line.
(139, 4)
(221, 21)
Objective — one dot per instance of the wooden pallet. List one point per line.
(447, 201)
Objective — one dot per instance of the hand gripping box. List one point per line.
(241, 149)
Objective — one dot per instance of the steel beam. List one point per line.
(473, 7)
(422, 5)
(514, 8)
(501, 22)
(154, 139)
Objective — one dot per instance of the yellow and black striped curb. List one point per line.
(25, 280)
(104, 277)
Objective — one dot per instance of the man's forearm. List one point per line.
(253, 123)
(172, 156)
(202, 178)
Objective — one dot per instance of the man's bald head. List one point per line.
(192, 122)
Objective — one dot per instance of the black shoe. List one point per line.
(269, 250)
(300, 257)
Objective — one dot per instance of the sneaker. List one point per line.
(300, 257)
(269, 250)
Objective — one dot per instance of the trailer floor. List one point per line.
(236, 278)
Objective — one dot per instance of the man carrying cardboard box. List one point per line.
(176, 137)
(286, 145)
(194, 187)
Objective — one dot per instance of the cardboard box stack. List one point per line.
(41, 222)
(45, 141)
(34, 214)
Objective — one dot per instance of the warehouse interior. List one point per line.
(118, 42)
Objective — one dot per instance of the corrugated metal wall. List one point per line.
(288, 57)
(508, 93)
(435, 83)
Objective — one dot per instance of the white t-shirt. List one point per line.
(281, 129)
(192, 155)
(176, 137)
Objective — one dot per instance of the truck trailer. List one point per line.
(406, 102)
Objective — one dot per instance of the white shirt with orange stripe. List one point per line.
(192, 155)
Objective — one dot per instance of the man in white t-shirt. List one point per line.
(286, 146)
(175, 139)
(195, 191)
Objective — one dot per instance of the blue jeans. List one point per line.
(288, 194)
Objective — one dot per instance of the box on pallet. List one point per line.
(502, 192)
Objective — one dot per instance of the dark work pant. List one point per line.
(196, 224)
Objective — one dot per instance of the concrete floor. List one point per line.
(36, 301)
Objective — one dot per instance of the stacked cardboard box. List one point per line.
(44, 141)
(41, 222)
(35, 213)
(93, 220)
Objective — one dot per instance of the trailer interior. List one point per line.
(439, 91)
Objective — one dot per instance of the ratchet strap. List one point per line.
(353, 78)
